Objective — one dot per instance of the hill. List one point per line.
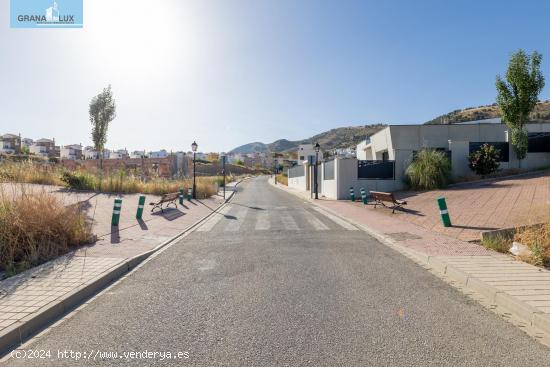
(540, 114)
(342, 137)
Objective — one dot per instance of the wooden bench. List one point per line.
(169, 198)
(380, 198)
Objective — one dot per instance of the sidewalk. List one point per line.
(39, 295)
(513, 286)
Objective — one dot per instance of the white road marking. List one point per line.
(314, 221)
(262, 223)
(289, 222)
(337, 220)
(210, 223)
(234, 224)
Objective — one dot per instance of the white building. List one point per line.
(138, 154)
(43, 148)
(307, 152)
(383, 158)
(118, 154)
(72, 152)
(159, 154)
(90, 153)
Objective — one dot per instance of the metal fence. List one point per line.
(328, 170)
(376, 170)
(296, 171)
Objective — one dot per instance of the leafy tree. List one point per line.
(485, 160)
(25, 150)
(239, 162)
(430, 169)
(102, 112)
(517, 96)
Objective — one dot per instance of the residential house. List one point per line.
(10, 144)
(138, 154)
(90, 153)
(306, 152)
(26, 142)
(119, 154)
(44, 148)
(383, 158)
(158, 154)
(71, 152)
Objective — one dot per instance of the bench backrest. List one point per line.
(170, 196)
(383, 196)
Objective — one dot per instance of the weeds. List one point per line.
(120, 182)
(537, 238)
(499, 244)
(37, 227)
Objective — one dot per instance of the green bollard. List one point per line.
(364, 196)
(444, 212)
(141, 205)
(182, 195)
(352, 194)
(189, 194)
(116, 212)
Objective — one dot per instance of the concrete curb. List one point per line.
(18, 333)
(511, 305)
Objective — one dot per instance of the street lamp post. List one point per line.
(317, 148)
(223, 171)
(194, 147)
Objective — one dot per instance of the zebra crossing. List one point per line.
(233, 218)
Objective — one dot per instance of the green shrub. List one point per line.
(485, 160)
(79, 180)
(429, 170)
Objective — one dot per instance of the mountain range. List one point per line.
(345, 137)
(342, 137)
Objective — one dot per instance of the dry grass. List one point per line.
(537, 238)
(282, 179)
(113, 182)
(36, 227)
(29, 172)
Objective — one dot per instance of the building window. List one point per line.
(539, 142)
(301, 157)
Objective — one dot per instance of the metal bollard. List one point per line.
(116, 212)
(141, 205)
(444, 212)
(189, 194)
(352, 194)
(182, 195)
(364, 196)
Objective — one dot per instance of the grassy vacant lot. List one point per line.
(37, 227)
(120, 181)
(535, 237)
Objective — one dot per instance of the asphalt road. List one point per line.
(275, 282)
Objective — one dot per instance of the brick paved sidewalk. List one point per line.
(28, 294)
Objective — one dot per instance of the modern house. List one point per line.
(72, 152)
(119, 154)
(10, 144)
(138, 154)
(44, 148)
(383, 158)
(159, 154)
(306, 152)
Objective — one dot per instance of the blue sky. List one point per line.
(230, 72)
